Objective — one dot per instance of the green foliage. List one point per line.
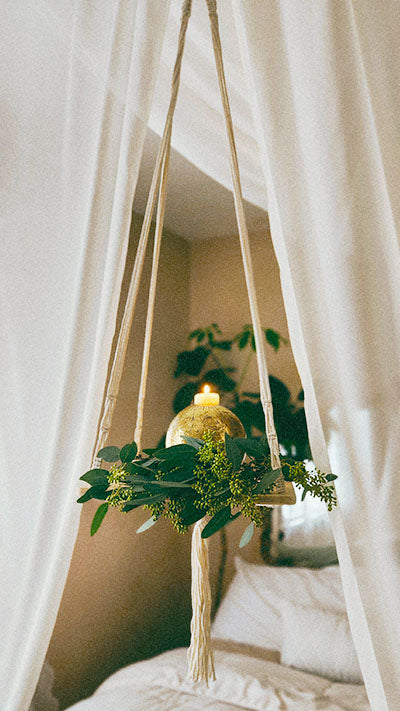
(109, 454)
(211, 348)
(247, 535)
(202, 477)
(98, 518)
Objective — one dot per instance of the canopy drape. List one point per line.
(323, 81)
(76, 88)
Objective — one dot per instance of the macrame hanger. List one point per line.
(200, 657)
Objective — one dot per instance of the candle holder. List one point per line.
(195, 420)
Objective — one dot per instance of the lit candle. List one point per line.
(206, 397)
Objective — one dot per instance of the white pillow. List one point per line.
(251, 610)
(319, 641)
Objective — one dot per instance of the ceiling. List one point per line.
(198, 207)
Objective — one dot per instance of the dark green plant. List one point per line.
(207, 362)
(202, 477)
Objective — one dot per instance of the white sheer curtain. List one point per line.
(76, 87)
(323, 79)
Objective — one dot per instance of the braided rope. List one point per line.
(265, 391)
(161, 167)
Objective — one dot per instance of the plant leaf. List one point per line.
(191, 362)
(98, 518)
(273, 338)
(219, 520)
(194, 442)
(184, 396)
(85, 497)
(267, 480)
(134, 468)
(128, 452)
(331, 477)
(95, 476)
(252, 447)
(304, 494)
(244, 339)
(142, 500)
(233, 452)
(191, 514)
(199, 334)
(109, 454)
(247, 535)
(218, 377)
(146, 525)
(222, 345)
(99, 492)
(171, 452)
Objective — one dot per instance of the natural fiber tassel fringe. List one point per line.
(200, 656)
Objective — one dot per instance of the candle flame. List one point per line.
(206, 389)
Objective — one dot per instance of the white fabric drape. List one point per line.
(76, 88)
(323, 80)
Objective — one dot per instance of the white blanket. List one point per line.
(243, 682)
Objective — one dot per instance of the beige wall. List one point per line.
(218, 294)
(128, 596)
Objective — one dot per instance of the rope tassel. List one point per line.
(200, 656)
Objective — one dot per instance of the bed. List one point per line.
(281, 643)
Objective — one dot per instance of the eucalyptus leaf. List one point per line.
(176, 449)
(252, 447)
(219, 520)
(247, 535)
(99, 492)
(98, 518)
(191, 514)
(304, 494)
(128, 452)
(267, 480)
(135, 468)
(85, 497)
(146, 525)
(142, 500)
(95, 476)
(194, 442)
(331, 477)
(109, 454)
(233, 452)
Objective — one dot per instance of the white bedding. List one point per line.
(243, 682)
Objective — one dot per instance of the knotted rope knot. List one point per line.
(187, 8)
(212, 7)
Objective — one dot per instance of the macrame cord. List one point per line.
(200, 657)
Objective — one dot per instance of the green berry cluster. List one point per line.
(119, 496)
(315, 483)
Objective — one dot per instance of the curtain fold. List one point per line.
(76, 91)
(323, 83)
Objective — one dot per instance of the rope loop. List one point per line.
(212, 7)
(186, 8)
